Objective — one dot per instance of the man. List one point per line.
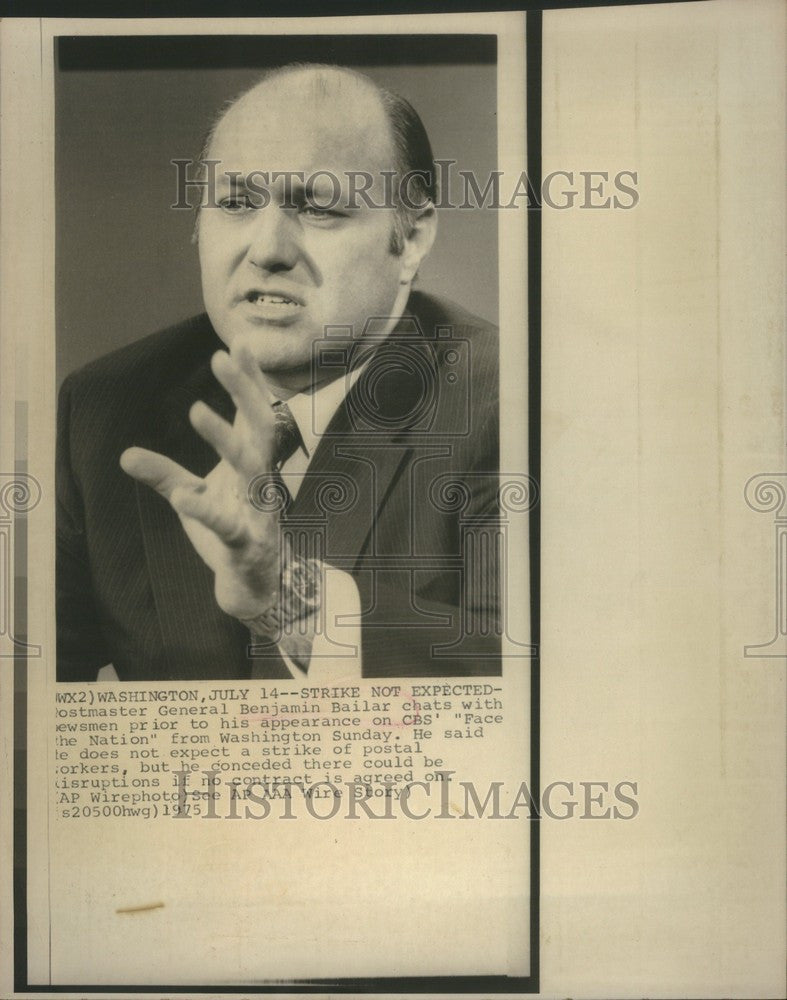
(344, 438)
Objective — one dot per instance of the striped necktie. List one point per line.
(287, 437)
(266, 662)
(286, 441)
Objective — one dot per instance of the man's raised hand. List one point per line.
(239, 542)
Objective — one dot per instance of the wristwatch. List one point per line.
(299, 598)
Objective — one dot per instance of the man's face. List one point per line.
(274, 277)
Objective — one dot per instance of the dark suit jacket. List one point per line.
(401, 492)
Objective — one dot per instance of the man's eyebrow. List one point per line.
(324, 187)
(321, 187)
(319, 182)
(237, 180)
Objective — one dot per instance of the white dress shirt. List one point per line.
(313, 411)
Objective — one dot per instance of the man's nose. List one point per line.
(274, 244)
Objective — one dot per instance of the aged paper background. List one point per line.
(663, 367)
(662, 345)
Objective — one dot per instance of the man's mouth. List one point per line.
(277, 307)
(259, 298)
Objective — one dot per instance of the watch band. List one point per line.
(299, 598)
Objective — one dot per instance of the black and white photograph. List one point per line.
(302, 462)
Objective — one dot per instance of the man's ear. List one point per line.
(418, 243)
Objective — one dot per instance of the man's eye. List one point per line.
(236, 203)
(319, 214)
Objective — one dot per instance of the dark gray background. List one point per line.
(126, 107)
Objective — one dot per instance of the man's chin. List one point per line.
(275, 349)
(284, 374)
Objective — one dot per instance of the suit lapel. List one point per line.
(345, 487)
(366, 448)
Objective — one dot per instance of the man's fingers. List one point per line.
(158, 471)
(237, 446)
(253, 403)
(218, 433)
(247, 364)
(219, 518)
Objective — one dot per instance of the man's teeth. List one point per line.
(278, 300)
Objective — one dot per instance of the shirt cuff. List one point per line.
(336, 648)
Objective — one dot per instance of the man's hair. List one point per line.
(413, 157)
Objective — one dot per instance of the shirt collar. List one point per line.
(313, 410)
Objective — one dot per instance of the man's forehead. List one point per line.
(294, 123)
